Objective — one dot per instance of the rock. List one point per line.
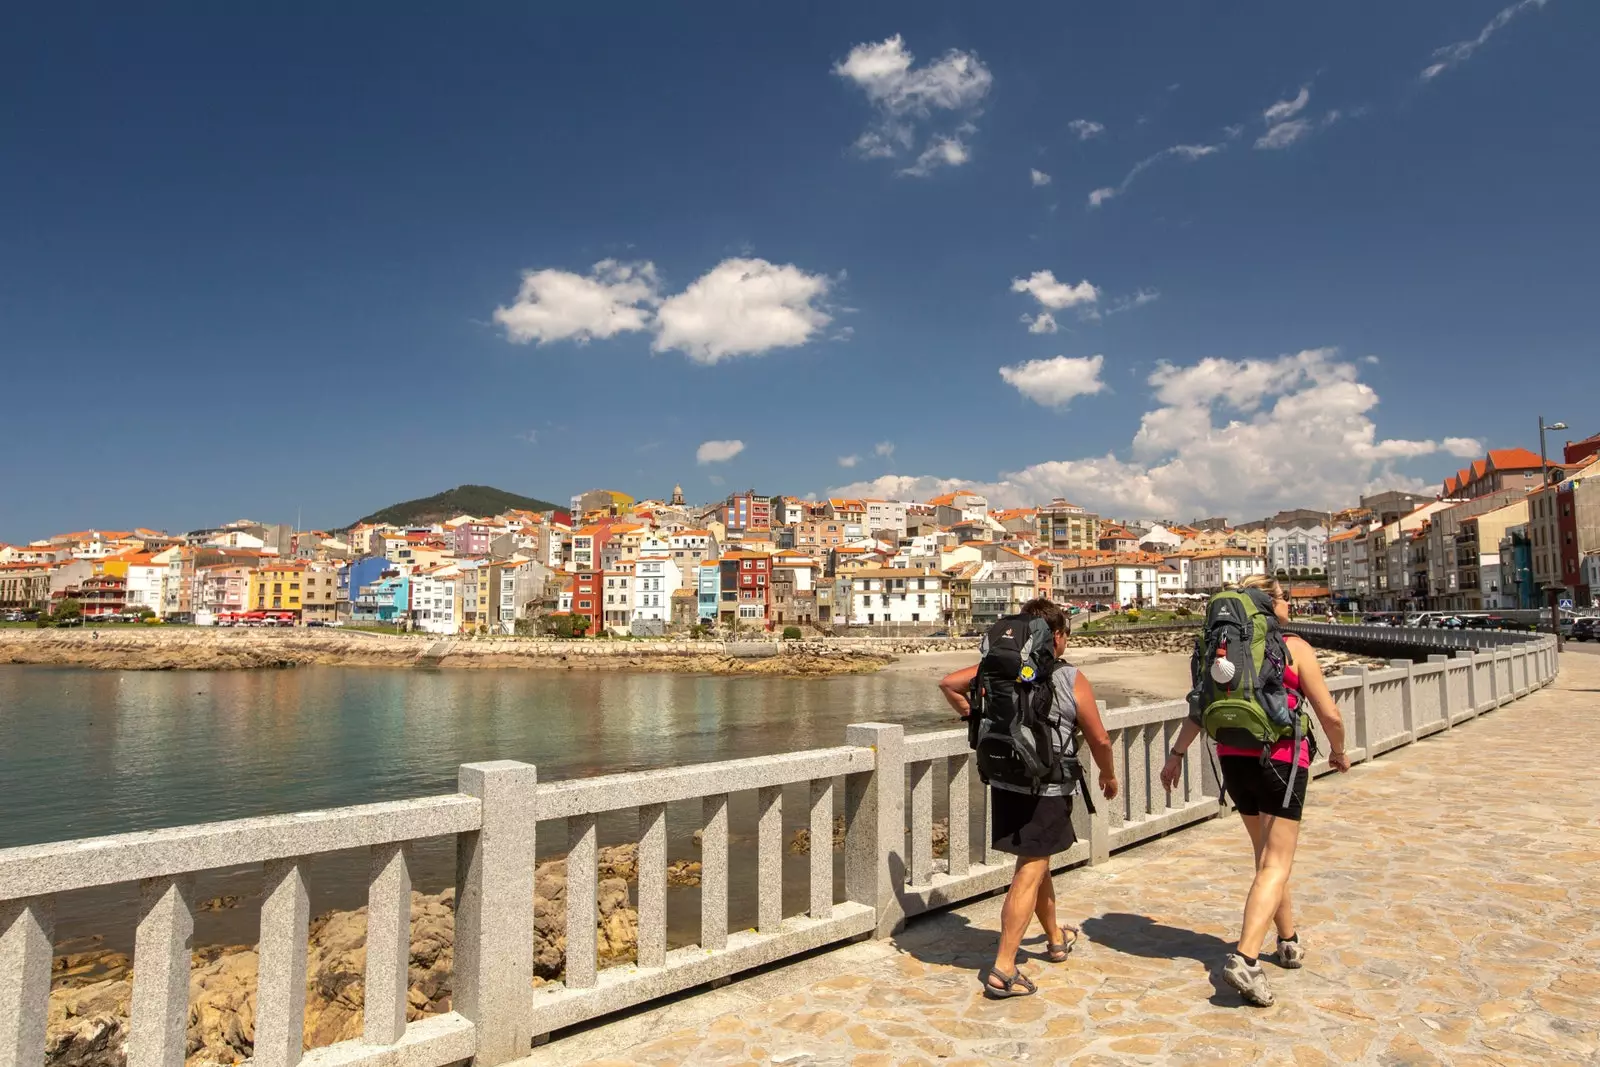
(800, 843)
(218, 904)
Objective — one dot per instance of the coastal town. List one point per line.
(1510, 531)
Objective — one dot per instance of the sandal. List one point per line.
(1057, 952)
(1008, 985)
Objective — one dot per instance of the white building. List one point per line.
(690, 548)
(1185, 567)
(886, 515)
(880, 595)
(433, 601)
(1221, 567)
(1297, 550)
(144, 586)
(655, 579)
(1112, 581)
(1159, 539)
(1169, 580)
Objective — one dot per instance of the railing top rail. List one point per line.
(61, 866)
(611, 792)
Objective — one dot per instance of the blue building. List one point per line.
(710, 585)
(387, 600)
(357, 573)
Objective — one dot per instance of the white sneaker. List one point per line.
(1250, 981)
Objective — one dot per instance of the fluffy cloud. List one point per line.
(849, 461)
(1053, 294)
(1451, 54)
(742, 307)
(1462, 447)
(907, 97)
(1054, 382)
(1044, 322)
(1186, 152)
(717, 451)
(884, 449)
(1241, 438)
(1038, 177)
(558, 305)
(1085, 128)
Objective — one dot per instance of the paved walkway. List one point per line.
(1449, 894)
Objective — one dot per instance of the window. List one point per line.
(585, 604)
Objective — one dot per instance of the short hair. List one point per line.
(1049, 611)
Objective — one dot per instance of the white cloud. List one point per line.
(529, 437)
(1371, 359)
(1463, 447)
(1284, 134)
(1451, 54)
(1241, 438)
(1137, 300)
(941, 152)
(742, 307)
(1056, 381)
(716, 479)
(849, 461)
(884, 449)
(1287, 109)
(717, 451)
(1186, 152)
(907, 96)
(558, 305)
(1044, 322)
(1053, 294)
(1038, 177)
(1085, 128)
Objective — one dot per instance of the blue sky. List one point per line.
(312, 265)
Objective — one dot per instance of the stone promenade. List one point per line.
(1449, 894)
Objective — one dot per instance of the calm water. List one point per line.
(100, 752)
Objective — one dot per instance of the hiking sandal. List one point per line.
(1057, 952)
(1008, 985)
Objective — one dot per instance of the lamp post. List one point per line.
(1544, 483)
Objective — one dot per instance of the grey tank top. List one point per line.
(1063, 728)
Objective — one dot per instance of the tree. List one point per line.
(792, 633)
(567, 625)
(69, 608)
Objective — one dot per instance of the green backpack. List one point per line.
(1239, 697)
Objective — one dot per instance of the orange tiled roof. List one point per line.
(1513, 459)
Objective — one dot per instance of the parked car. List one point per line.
(1586, 629)
(940, 633)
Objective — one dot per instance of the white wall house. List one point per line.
(879, 595)
(655, 579)
(1222, 567)
(1113, 582)
(1159, 539)
(1169, 580)
(616, 601)
(144, 586)
(886, 515)
(433, 603)
(1297, 550)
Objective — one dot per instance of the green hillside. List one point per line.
(478, 500)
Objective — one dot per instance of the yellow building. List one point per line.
(277, 587)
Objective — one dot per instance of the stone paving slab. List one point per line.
(1448, 893)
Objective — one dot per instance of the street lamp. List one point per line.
(1554, 590)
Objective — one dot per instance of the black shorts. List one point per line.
(1257, 788)
(1028, 825)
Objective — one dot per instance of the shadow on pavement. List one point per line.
(1139, 935)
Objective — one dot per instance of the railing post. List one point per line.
(875, 827)
(493, 967)
(383, 1005)
(769, 859)
(26, 927)
(281, 975)
(1407, 698)
(159, 1009)
(958, 842)
(1444, 687)
(1358, 728)
(1471, 660)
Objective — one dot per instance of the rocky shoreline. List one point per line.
(191, 648)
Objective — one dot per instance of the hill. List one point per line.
(478, 500)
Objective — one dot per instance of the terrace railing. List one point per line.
(886, 782)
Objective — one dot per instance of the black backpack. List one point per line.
(1010, 699)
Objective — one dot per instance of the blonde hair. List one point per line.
(1265, 582)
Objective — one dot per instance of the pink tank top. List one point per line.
(1280, 749)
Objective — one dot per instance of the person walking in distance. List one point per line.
(1252, 683)
(1024, 707)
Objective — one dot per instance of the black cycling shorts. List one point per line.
(1257, 788)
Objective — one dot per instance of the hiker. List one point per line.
(1031, 815)
(1251, 685)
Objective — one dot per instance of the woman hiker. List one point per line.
(1257, 787)
(1034, 827)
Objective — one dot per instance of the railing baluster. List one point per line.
(821, 849)
(769, 859)
(383, 1007)
(582, 909)
(26, 927)
(1122, 807)
(958, 840)
(921, 872)
(986, 853)
(653, 885)
(281, 974)
(158, 1013)
(714, 871)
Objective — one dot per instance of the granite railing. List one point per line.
(889, 782)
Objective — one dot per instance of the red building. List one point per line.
(588, 599)
(102, 596)
(748, 577)
(1576, 452)
(745, 511)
